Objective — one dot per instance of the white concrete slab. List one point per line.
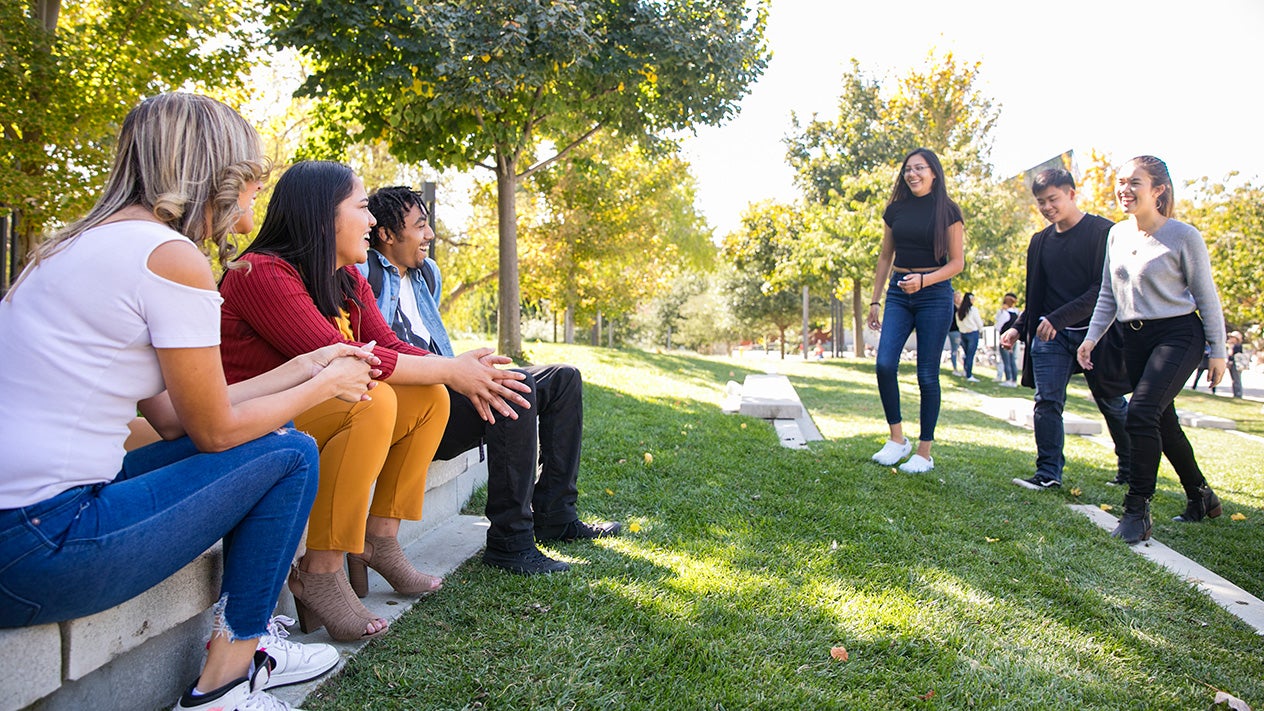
(770, 397)
(1018, 412)
(1197, 419)
(1242, 604)
(30, 665)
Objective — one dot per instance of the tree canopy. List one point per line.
(465, 83)
(68, 76)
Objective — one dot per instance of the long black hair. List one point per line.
(299, 228)
(945, 211)
(967, 303)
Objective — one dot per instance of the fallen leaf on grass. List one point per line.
(839, 653)
(990, 540)
(610, 492)
(743, 425)
(649, 458)
(1234, 702)
(1238, 517)
(1106, 507)
(1075, 491)
(927, 696)
(893, 470)
(634, 527)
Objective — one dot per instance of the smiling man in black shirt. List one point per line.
(1064, 274)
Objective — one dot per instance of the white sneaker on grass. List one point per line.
(917, 464)
(892, 452)
(295, 662)
(972, 379)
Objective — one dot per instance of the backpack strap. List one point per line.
(375, 275)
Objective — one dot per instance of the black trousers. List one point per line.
(516, 501)
(1160, 355)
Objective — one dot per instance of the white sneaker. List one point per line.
(295, 662)
(892, 452)
(1009, 384)
(972, 379)
(240, 695)
(917, 464)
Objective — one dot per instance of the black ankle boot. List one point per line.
(1203, 504)
(1134, 525)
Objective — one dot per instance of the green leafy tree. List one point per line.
(760, 293)
(68, 76)
(466, 83)
(615, 224)
(1232, 222)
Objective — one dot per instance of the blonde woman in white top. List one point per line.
(119, 313)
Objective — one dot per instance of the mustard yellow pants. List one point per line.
(378, 449)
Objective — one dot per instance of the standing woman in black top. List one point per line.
(922, 250)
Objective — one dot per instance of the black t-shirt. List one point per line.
(1067, 262)
(913, 231)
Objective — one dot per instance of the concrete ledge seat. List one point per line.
(772, 397)
(76, 664)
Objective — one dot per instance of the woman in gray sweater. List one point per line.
(1157, 282)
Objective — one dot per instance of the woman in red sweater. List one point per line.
(297, 286)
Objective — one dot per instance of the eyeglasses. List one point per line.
(916, 169)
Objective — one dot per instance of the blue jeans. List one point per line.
(92, 547)
(970, 344)
(1009, 365)
(928, 312)
(954, 345)
(1052, 365)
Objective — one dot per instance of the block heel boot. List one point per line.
(1134, 525)
(383, 554)
(1202, 504)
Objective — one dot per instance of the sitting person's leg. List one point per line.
(421, 417)
(354, 439)
(511, 474)
(93, 547)
(560, 401)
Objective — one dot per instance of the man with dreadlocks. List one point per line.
(406, 283)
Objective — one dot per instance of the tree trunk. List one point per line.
(858, 316)
(568, 327)
(782, 331)
(510, 317)
(806, 336)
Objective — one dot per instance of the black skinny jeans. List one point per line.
(1160, 355)
(516, 502)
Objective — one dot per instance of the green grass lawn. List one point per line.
(750, 562)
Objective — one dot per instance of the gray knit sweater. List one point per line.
(1162, 275)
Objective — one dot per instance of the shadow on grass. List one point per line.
(953, 590)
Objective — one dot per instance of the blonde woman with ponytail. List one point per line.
(119, 313)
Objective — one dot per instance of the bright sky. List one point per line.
(1179, 79)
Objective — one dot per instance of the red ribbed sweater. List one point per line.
(269, 318)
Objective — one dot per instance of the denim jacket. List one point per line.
(427, 302)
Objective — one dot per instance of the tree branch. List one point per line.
(562, 153)
(466, 286)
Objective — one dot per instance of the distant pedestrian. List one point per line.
(1161, 289)
(1008, 368)
(1236, 361)
(954, 335)
(922, 250)
(969, 322)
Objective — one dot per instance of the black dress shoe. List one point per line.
(576, 530)
(528, 562)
